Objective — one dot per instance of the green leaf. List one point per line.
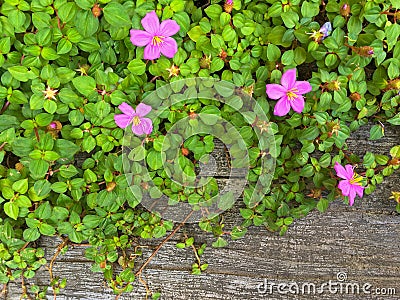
(21, 73)
(137, 67)
(213, 11)
(219, 243)
(11, 209)
(67, 11)
(228, 34)
(322, 205)
(376, 132)
(216, 64)
(84, 84)
(43, 119)
(5, 45)
(68, 171)
(64, 46)
(7, 121)
(116, 15)
(18, 97)
(155, 160)
(21, 186)
(195, 33)
(395, 120)
(38, 168)
(43, 211)
(50, 106)
(86, 23)
(42, 187)
(92, 221)
(273, 52)
(31, 234)
(47, 229)
(66, 149)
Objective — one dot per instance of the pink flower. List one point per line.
(140, 125)
(289, 93)
(156, 37)
(351, 184)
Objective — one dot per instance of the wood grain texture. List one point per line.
(361, 241)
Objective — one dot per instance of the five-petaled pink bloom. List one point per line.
(289, 93)
(140, 125)
(351, 185)
(156, 37)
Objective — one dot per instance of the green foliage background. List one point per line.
(85, 53)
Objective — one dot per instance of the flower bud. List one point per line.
(345, 10)
(111, 186)
(19, 167)
(228, 6)
(205, 62)
(393, 84)
(185, 151)
(54, 128)
(355, 96)
(333, 85)
(96, 10)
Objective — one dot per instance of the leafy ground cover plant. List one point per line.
(107, 80)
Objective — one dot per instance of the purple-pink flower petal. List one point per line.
(282, 107)
(169, 47)
(289, 78)
(169, 28)
(342, 172)
(350, 171)
(144, 127)
(151, 52)
(142, 109)
(352, 195)
(344, 186)
(122, 120)
(359, 190)
(275, 91)
(151, 23)
(140, 38)
(303, 87)
(297, 104)
(126, 109)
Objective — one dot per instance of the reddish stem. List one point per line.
(5, 106)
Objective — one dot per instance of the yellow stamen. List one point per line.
(136, 120)
(356, 179)
(157, 40)
(291, 94)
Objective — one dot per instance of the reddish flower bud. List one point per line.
(96, 10)
(355, 96)
(228, 6)
(185, 151)
(345, 10)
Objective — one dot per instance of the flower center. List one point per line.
(157, 40)
(136, 120)
(356, 179)
(291, 94)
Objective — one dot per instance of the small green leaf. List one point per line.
(11, 209)
(84, 84)
(376, 132)
(21, 186)
(116, 14)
